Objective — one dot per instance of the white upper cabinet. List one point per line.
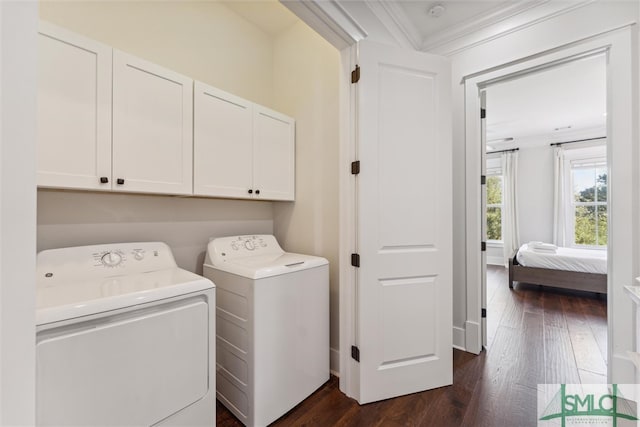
(222, 143)
(74, 111)
(152, 127)
(273, 154)
(241, 149)
(108, 120)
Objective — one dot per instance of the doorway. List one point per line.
(528, 121)
(620, 149)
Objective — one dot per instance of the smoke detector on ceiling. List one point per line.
(436, 11)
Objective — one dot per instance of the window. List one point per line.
(494, 204)
(589, 201)
(585, 184)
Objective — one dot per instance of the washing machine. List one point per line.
(272, 326)
(124, 337)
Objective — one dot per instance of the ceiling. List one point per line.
(550, 106)
(528, 109)
(456, 13)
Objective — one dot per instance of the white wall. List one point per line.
(535, 192)
(306, 71)
(74, 218)
(18, 24)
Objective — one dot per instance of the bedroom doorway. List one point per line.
(544, 197)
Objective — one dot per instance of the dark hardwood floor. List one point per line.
(535, 335)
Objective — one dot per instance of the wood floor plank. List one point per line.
(560, 364)
(587, 377)
(585, 347)
(553, 314)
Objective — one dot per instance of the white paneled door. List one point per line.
(404, 321)
(152, 127)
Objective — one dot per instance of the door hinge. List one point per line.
(484, 313)
(483, 179)
(483, 246)
(355, 353)
(355, 260)
(483, 113)
(355, 75)
(355, 167)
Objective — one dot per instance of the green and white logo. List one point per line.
(587, 405)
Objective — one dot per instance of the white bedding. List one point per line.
(570, 259)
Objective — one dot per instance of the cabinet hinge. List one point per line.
(355, 75)
(483, 113)
(483, 246)
(355, 353)
(483, 179)
(484, 313)
(355, 260)
(355, 167)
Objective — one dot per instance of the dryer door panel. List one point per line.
(134, 370)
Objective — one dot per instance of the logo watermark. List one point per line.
(588, 405)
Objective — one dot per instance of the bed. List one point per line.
(569, 268)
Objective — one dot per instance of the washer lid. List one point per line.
(261, 266)
(62, 301)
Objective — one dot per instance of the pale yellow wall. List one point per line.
(205, 41)
(201, 39)
(306, 87)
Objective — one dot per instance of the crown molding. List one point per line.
(501, 21)
(395, 20)
(329, 19)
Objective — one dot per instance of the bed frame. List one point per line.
(589, 282)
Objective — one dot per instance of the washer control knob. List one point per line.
(138, 254)
(234, 246)
(249, 245)
(111, 259)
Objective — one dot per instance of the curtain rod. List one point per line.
(503, 151)
(577, 140)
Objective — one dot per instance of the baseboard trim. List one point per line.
(473, 337)
(622, 370)
(459, 338)
(495, 260)
(334, 361)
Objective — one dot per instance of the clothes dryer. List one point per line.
(272, 325)
(123, 337)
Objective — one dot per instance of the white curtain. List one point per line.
(559, 197)
(510, 234)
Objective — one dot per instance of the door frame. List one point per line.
(617, 46)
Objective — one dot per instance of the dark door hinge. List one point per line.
(355, 167)
(483, 179)
(355, 75)
(355, 260)
(483, 246)
(483, 113)
(355, 353)
(484, 313)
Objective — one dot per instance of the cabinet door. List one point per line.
(74, 111)
(152, 127)
(273, 155)
(222, 144)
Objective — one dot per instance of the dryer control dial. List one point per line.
(249, 245)
(112, 259)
